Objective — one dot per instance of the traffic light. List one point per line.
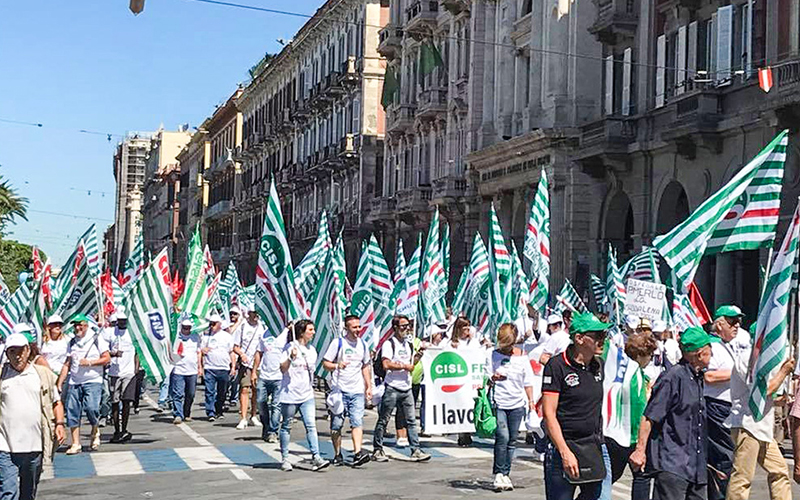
(137, 6)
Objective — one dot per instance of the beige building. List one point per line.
(130, 157)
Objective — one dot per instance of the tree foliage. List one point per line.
(12, 205)
(15, 257)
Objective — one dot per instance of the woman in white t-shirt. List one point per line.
(511, 377)
(298, 362)
(54, 346)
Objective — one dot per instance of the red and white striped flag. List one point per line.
(765, 79)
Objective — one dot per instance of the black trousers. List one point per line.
(668, 486)
(720, 447)
(640, 487)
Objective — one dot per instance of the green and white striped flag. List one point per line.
(684, 246)
(14, 310)
(599, 292)
(499, 271)
(307, 273)
(229, 286)
(445, 244)
(476, 306)
(380, 276)
(516, 292)
(362, 303)
(79, 295)
(399, 262)
(615, 289)
(276, 297)
(772, 340)
(408, 297)
(134, 265)
(149, 306)
(195, 298)
(625, 396)
(326, 311)
(568, 298)
(433, 283)
(537, 245)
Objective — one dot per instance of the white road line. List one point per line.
(197, 438)
(116, 463)
(241, 475)
(205, 457)
(149, 401)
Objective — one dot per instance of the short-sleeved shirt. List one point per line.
(557, 343)
(741, 416)
(187, 348)
(21, 410)
(580, 394)
(722, 358)
(219, 355)
(247, 337)
(349, 379)
(91, 346)
(398, 352)
(509, 393)
(271, 349)
(55, 353)
(125, 365)
(677, 410)
(296, 384)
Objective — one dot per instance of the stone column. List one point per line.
(488, 132)
(725, 279)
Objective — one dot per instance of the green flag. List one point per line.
(391, 85)
(429, 58)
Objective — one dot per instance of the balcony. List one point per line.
(421, 15)
(390, 37)
(222, 162)
(432, 103)
(615, 19)
(221, 256)
(448, 188)
(400, 118)
(351, 71)
(694, 119)
(301, 112)
(332, 85)
(218, 210)
(455, 7)
(349, 146)
(246, 246)
(413, 200)
(382, 208)
(605, 141)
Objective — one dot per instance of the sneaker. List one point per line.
(212, 418)
(272, 438)
(255, 421)
(187, 419)
(419, 456)
(74, 449)
(96, 442)
(126, 437)
(464, 440)
(177, 420)
(379, 456)
(242, 424)
(402, 442)
(509, 485)
(115, 438)
(319, 463)
(102, 422)
(136, 410)
(360, 458)
(160, 409)
(286, 466)
(499, 482)
(338, 460)
(221, 417)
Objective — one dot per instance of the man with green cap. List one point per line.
(673, 434)
(572, 403)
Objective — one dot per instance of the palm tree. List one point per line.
(12, 205)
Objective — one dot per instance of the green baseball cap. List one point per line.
(587, 322)
(728, 311)
(752, 328)
(694, 338)
(79, 318)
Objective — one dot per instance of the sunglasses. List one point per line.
(404, 327)
(596, 336)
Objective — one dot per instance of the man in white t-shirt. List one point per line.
(218, 366)
(107, 332)
(28, 397)
(121, 378)
(754, 441)
(87, 354)
(558, 341)
(398, 359)
(183, 379)
(348, 358)
(267, 378)
(245, 343)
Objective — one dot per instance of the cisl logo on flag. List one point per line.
(451, 379)
(361, 300)
(449, 372)
(272, 253)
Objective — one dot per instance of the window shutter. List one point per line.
(724, 44)
(609, 85)
(691, 55)
(661, 60)
(747, 36)
(626, 81)
(680, 61)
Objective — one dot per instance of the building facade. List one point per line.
(130, 157)
(312, 120)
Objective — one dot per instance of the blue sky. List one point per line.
(92, 65)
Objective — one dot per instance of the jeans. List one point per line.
(233, 389)
(558, 488)
(419, 399)
(353, 409)
(164, 392)
(105, 400)
(619, 455)
(182, 389)
(307, 413)
(505, 438)
(392, 398)
(80, 398)
(19, 475)
(216, 389)
(269, 406)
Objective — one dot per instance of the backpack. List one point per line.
(377, 363)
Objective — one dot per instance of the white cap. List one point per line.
(225, 324)
(214, 318)
(120, 315)
(632, 321)
(55, 318)
(112, 318)
(187, 322)
(235, 309)
(659, 325)
(554, 318)
(22, 328)
(16, 340)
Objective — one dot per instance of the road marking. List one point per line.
(204, 457)
(248, 455)
(160, 460)
(241, 475)
(197, 438)
(73, 466)
(116, 463)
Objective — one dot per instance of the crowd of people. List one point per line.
(693, 434)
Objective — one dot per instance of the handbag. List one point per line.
(485, 420)
(591, 466)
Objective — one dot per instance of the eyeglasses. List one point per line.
(596, 336)
(404, 327)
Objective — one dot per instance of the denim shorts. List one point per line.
(353, 409)
(83, 398)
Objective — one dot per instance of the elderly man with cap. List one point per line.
(558, 341)
(572, 396)
(245, 344)
(218, 367)
(87, 355)
(31, 420)
(673, 433)
(121, 378)
(183, 379)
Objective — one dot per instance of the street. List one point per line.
(204, 460)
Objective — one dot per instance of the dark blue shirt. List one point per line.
(678, 436)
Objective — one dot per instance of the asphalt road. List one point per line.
(215, 461)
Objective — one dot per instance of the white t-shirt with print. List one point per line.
(219, 355)
(125, 365)
(348, 379)
(271, 349)
(21, 410)
(510, 393)
(91, 346)
(741, 416)
(187, 349)
(296, 384)
(722, 358)
(55, 353)
(557, 343)
(398, 352)
(247, 337)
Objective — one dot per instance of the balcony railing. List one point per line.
(218, 209)
(400, 117)
(421, 11)
(413, 199)
(389, 39)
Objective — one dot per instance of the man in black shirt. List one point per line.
(673, 435)
(572, 396)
